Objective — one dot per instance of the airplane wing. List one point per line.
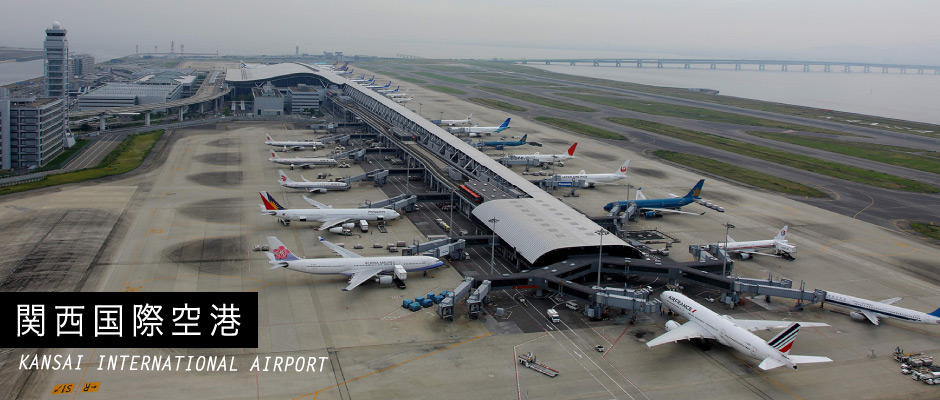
(688, 330)
(891, 300)
(762, 324)
(870, 315)
(317, 204)
(331, 223)
(669, 210)
(339, 250)
(359, 277)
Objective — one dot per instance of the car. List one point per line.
(599, 348)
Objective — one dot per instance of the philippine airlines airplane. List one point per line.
(363, 79)
(303, 162)
(872, 310)
(735, 333)
(548, 158)
(591, 179)
(481, 129)
(293, 144)
(453, 122)
(385, 270)
(746, 250)
(341, 218)
(655, 207)
(310, 186)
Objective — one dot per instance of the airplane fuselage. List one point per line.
(590, 179)
(293, 143)
(316, 185)
(303, 161)
(328, 214)
(349, 266)
(881, 309)
(672, 203)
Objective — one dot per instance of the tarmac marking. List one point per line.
(515, 365)
(317, 393)
(86, 369)
(866, 207)
(761, 373)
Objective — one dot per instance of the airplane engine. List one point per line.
(302, 219)
(857, 316)
(349, 225)
(560, 164)
(292, 166)
(384, 279)
(320, 190)
(336, 229)
(650, 214)
(670, 325)
(746, 256)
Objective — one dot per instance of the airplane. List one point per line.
(303, 162)
(481, 129)
(387, 91)
(335, 220)
(312, 187)
(378, 87)
(386, 270)
(503, 143)
(652, 208)
(402, 99)
(735, 333)
(548, 158)
(293, 144)
(246, 66)
(368, 81)
(343, 68)
(591, 179)
(455, 121)
(778, 244)
(872, 310)
(345, 73)
(363, 79)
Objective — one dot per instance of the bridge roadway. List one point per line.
(713, 63)
(207, 92)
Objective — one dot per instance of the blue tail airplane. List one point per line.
(499, 144)
(655, 207)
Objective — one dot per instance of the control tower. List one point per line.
(57, 59)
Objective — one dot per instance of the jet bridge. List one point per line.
(402, 201)
(452, 248)
(445, 309)
(379, 176)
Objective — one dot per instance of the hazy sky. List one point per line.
(878, 30)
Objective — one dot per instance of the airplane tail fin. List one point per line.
(470, 118)
(505, 124)
(623, 168)
(782, 235)
(268, 136)
(936, 313)
(784, 340)
(284, 179)
(269, 202)
(571, 149)
(523, 136)
(280, 251)
(273, 154)
(696, 190)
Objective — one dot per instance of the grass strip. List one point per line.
(894, 155)
(414, 80)
(929, 230)
(531, 98)
(509, 80)
(445, 89)
(743, 175)
(578, 127)
(451, 68)
(780, 157)
(445, 78)
(127, 156)
(702, 114)
(497, 104)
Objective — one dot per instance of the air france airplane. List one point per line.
(735, 333)
(359, 269)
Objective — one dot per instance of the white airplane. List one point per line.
(368, 81)
(735, 333)
(872, 310)
(363, 79)
(397, 94)
(386, 270)
(549, 158)
(334, 220)
(303, 162)
(387, 91)
(402, 99)
(345, 73)
(481, 129)
(591, 179)
(292, 144)
(247, 66)
(453, 122)
(310, 186)
(781, 248)
(379, 86)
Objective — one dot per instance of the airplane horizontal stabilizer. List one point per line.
(770, 363)
(809, 359)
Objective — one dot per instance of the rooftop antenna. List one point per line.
(172, 46)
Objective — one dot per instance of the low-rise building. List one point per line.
(267, 100)
(302, 99)
(117, 94)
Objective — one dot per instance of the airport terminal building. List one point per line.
(30, 131)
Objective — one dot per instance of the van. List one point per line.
(363, 225)
(553, 316)
(572, 305)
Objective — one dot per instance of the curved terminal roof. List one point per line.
(541, 228)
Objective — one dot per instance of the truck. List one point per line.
(363, 225)
(553, 316)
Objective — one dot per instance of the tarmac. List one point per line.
(187, 221)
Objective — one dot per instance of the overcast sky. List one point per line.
(877, 30)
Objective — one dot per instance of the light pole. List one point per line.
(724, 261)
(493, 247)
(600, 252)
(451, 214)
(419, 108)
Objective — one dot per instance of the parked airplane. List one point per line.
(303, 162)
(453, 122)
(387, 91)
(503, 143)
(397, 94)
(548, 158)
(591, 179)
(338, 69)
(362, 79)
(735, 333)
(368, 81)
(378, 86)
(251, 66)
(655, 207)
(778, 244)
(481, 129)
(402, 99)
(386, 270)
(334, 220)
(292, 144)
(872, 310)
(312, 187)
(345, 73)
